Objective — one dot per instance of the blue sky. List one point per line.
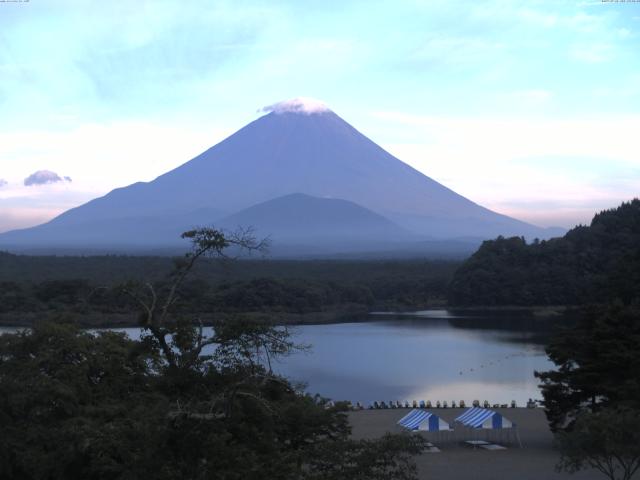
(531, 108)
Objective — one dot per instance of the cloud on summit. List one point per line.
(44, 177)
(303, 105)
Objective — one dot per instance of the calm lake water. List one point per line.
(431, 355)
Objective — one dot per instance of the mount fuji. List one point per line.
(300, 174)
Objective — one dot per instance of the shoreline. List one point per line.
(124, 320)
(456, 461)
(535, 310)
(354, 314)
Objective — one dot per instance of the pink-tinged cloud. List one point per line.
(44, 177)
(12, 218)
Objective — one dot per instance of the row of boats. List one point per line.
(422, 404)
(376, 405)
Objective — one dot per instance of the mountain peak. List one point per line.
(301, 105)
(300, 146)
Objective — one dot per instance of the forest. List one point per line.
(598, 263)
(295, 291)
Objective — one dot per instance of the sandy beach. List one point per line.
(456, 461)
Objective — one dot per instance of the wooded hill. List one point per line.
(590, 264)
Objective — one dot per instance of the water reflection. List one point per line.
(435, 313)
(435, 355)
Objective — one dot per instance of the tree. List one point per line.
(592, 400)
(598, 360)
(176, 403)
(74, 403)
(179, 341)
(608, 441)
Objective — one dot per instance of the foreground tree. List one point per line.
(592, 400)
(608, 441)
(598, 361)
(175, 404)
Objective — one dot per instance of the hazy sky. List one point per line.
(530, 108)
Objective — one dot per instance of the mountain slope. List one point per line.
(281, 153)
(303, 218)
(154, 230)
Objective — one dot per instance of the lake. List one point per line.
(430, 355)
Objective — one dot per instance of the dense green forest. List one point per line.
(297, 291)
(590, 264)
(177, 403)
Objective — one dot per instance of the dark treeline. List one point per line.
(95, 285)
(176, 403)
(590, 264)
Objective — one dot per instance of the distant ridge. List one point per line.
(294, 149)
(300, 217)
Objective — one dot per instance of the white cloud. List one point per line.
(592, 53)
(303, 105)
(546, 170)
(44, 177)
(3, 182)
(516, 137)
